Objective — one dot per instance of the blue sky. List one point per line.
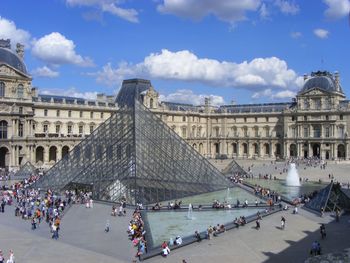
(247, 51)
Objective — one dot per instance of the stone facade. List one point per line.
(43, 128)
(314, 124)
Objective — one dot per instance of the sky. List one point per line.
(233, 51)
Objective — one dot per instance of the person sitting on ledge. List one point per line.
(178, 240)
(236, 222)
(197, 236)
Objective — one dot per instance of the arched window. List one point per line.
(20, 91)
(151, 103)
(3, 130)
(2, 89)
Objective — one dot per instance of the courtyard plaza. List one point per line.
(339, 169)
(82, 237)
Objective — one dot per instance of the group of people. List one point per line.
(137, 232)
(11, 258)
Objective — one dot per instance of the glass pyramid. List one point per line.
(26, 171)
(135, 156)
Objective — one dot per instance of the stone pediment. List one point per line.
(315, 92)
(8, 71)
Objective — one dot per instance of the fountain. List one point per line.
(228, 195)
(190, 212)
(293, 176)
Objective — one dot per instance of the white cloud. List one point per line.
(321, 33)
(8, 30)
(56, 49)
(337, 8)
(225, 10)
(296, 34)
(185, 66)
(274, 95)
(45, 72)
(108, 6)
(70, 92)
(287, 7)
(264, 12)
(187, 96)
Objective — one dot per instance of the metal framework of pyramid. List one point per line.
(134, 156)
(330, 198)
(233, 168)
(26, 171)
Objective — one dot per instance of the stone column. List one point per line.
(46, 154)
(59, 153)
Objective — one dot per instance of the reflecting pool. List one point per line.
(169, 224)
(291, 192)
(229, 195)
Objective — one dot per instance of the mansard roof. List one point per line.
(7, 56)
(322, 80)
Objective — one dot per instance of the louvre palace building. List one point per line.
(42, 129)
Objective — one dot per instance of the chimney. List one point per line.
(336, 80)
(20, 50)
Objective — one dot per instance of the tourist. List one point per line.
(1, 257)
(91, 203)
(323, 231)
(196, 235)
(322, 211)
(165, 251)
(295, 210)
(11, 258)
(3, 206)
(283, 222)
(257, 224)
(178, 240)
(107, 226)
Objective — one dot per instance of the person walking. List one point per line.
(283, 222)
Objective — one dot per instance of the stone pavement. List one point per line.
(83, 239)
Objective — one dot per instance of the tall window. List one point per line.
(20, 130)
(151, 103)
(306, 132)
(293, 132)
(245, 131)
(45, 112)
(341, 132)
(101, 115)
(58, 128)
(327, 133)
(183, 118)
(20, 110)
(2, 89)
(57, 113)
(69, 113)
(3, 130)
(81, 128)
(317, 131)
(91, 115)
(45, 128)
(69, 129)
(184, 132)
(91, 128)
(256, 131)
(267, 131)
(20, 91)
(317, 104)
(81, 114)
(217, 131)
